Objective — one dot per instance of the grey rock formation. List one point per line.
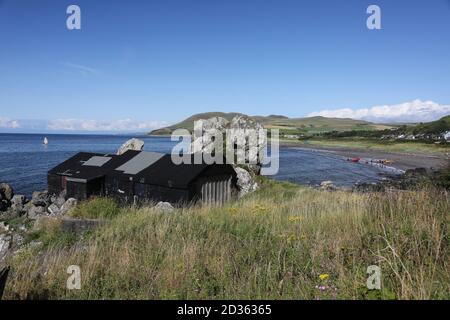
(53, 209)
(6, 192)
(40, 198)
(212, 128)
(245, 182)
(250, 133)
(132, 144)
(164, 207)
(68, 205)
(18, 200)
(241, 133)
(34, 212)
(327, 185)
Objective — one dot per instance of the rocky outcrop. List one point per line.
(211, 128)
(132, 144)
(40, 204)
(40, 199)
(250, 133)
(241, 133)
(6, 195)
(245, 182)
(244, 135)
(68, 205)
(6, 192)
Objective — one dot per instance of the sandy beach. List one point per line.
(400, 160)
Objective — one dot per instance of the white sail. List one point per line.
(45, 140)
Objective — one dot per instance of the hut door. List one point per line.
(216, 192)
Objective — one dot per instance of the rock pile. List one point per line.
(41, 203)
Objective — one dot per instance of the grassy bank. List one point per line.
(374, 144)
(282, 242)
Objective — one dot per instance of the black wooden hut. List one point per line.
(141, 175)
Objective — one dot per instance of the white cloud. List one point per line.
(8, 123)
(112, 126)
(84, 70)
(414, 111)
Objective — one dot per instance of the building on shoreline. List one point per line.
(139, 176)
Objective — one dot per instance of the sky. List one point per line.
(139, 65)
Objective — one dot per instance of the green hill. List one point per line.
(285, 124)
(434, 127)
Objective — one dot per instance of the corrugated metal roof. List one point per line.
(96, 161)
(140, 162)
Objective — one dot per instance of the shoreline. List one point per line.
(400, 160)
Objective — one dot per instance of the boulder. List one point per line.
(68, 205)
(164, 207)
(245, 182)
(14, 211)
(18, 200)
(4, 227)
(60, 199)
(246, 129)
(34, 212)
(132, 144)
(211, 128)
(6, 191)
(241, 131)
(40, 198)
(327, 185)
(53, 209)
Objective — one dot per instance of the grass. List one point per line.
(281, 242)
(96, 208)
(381, 145)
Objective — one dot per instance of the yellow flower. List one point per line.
(295, 218)
(324, 276)
(291, 238)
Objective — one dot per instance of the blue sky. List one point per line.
(140, 64)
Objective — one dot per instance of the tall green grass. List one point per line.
(282, 242)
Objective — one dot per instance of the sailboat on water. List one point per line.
(45, 141)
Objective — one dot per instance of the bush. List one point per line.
(96, 208)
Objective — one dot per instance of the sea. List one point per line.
(25, 160)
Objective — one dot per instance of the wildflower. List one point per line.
(324, 276)
(322, 288)
(291, 238)
(294, 218)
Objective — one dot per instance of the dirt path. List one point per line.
(402, 161)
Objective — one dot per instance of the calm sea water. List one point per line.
(24, 160)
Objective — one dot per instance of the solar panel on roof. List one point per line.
(141, 161)
(96, 161)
